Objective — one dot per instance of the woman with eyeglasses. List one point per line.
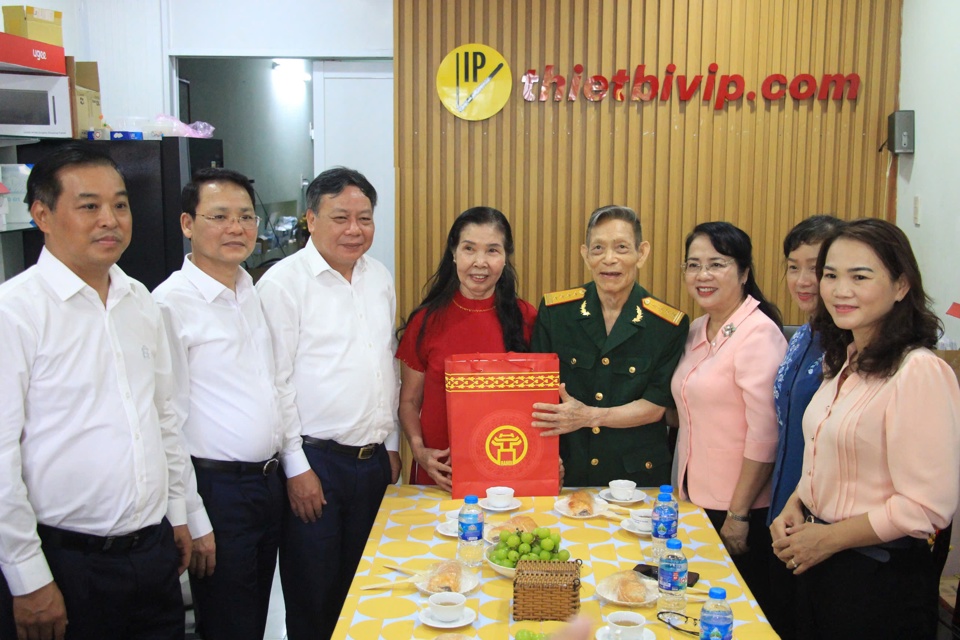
(882, 452)
(471, 306)
(722, 388)
(797, 380)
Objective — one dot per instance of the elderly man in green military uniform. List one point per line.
(618, 347)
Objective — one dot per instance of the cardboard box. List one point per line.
(19, 55)
(34, 23)
(14, 178)
(85, 90)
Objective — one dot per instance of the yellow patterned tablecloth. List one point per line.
(404, 534)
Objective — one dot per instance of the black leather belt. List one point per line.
(879, 552)
(264, 468)
(361, 453)
(74, 541)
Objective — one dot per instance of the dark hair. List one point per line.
(444, 283)
(616, 212)
(812, 230)
(732, 241)
(334, 181)
(910, 324)
(190, 197)
(44, 184)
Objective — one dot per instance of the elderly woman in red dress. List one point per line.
(471, 306)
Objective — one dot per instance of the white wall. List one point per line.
(928, 65)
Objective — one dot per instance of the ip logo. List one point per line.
(474, 82)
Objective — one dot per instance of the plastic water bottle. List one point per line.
(672, 578)
(664, 523)
(470, 533)
(716, 617)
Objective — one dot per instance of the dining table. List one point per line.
(407, 537)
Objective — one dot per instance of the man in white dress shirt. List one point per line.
(227, 404)
(331, 312)
(91, 464)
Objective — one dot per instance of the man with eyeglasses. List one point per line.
(331, 311)
(227, 405)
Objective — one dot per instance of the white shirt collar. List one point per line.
(211, 288)
(318, 263)
(66, 284)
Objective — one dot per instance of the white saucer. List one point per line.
(638, 496)
(562, 506)
(449, 528)
(469, 615)
(631, 526)
(603, 633)
(513, 504)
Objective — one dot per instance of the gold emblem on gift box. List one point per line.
(506, 446)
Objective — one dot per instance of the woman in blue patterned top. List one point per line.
(798, 378)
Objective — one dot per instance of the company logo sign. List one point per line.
(474, 82)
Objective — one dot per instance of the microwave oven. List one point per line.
(35, 106)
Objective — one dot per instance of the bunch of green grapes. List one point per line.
(526, 634)
(539, 544)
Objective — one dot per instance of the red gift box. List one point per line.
(490, 399)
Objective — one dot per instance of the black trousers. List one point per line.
(850, 595)
(245, 511)
(319, 559)
(133, 594)
(754, 565)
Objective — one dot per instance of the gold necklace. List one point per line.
(472, 310)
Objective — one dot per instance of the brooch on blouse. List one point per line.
(728, 330)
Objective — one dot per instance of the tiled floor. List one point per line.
(276, 625)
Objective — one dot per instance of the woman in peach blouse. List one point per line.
(882, 451)
(723, 388)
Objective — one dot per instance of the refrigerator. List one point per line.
(155, 172)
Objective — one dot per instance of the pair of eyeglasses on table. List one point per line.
(680, 622)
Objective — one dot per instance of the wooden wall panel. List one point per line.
(761, 165)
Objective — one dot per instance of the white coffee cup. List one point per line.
(446, 607)
(499, 497)
(622, 489)
(626, 625)
(642, 518)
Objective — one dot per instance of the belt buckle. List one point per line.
(810, 519)
(270, 466)
(366, 451)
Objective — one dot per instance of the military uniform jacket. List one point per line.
(636, 361)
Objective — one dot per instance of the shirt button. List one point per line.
(599, 396)
(596, 429)
(648, 465)
(632, 369)
(573, 361)
(605, 361)
(594, 462)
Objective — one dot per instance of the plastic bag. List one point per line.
(179, 129)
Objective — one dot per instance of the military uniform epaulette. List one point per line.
(663, 310)
(560, 297)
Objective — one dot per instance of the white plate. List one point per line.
(606, 590)
(449, 528)
(603, 633)
(469, 580)
(453, 514)
(469, 615)
(638, 496)
(631, 526)
(562, 506)
(513, 504)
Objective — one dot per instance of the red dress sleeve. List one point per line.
(407, 349)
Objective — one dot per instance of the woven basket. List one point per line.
(546, 590)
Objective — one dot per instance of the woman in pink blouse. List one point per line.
(723, 388)
(882, 451)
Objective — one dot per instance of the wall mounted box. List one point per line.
(900, 132)
(45, 25)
